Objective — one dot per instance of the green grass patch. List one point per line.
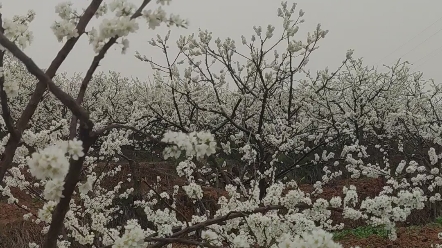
(438, 221)
(361, 232)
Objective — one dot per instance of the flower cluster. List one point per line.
(313, 239)
(133, 236)
(194, 191)
(11, 88)
(17, 29)
(52, 164)
(195, 144)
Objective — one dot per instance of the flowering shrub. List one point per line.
(255, 127)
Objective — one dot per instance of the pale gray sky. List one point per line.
(372, 28)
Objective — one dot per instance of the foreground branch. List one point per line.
(6, 114)
(93, 67)
(65, 98)
(40, 89)
(229, 216)
(71, 181)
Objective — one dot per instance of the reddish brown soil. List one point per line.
(11, 213)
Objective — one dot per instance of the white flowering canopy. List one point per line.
(253, 130)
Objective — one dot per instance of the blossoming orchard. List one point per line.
(254, 139)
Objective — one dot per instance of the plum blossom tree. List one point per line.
(254, 126)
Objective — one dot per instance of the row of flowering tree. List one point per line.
(251, 122)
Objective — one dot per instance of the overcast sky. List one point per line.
(375, 29)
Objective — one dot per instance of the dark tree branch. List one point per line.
(40, 89)
(6, 114)
(65, 98)
(93, 67)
